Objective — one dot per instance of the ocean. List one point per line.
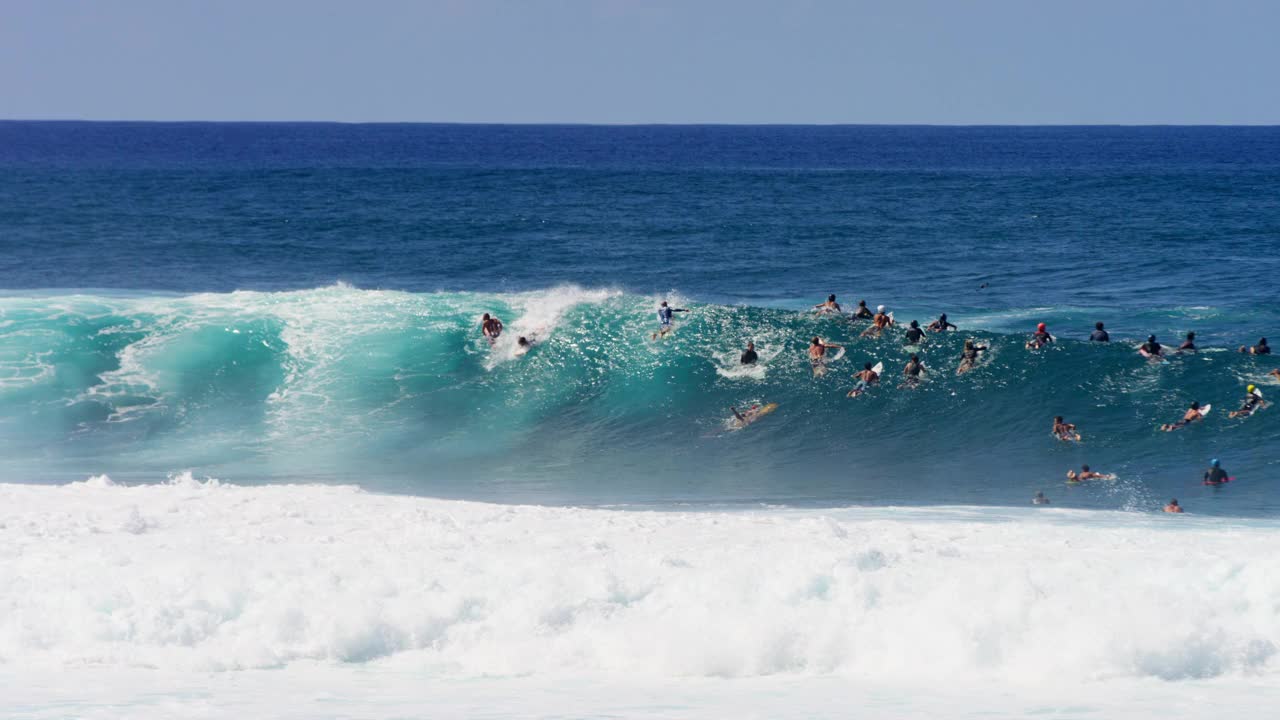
(249, 427)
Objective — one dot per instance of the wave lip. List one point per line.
(208, 576)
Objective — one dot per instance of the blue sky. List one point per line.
(616, 61)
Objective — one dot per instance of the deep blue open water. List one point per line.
(284, 302)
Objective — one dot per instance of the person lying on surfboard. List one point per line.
(1252, 403)
(490, 327)
(818, 350)
(941, 324)
(830, 306)
(1173, 506)
(1215, 475)
(969, 356)
(1039, 338)
(912, 372)
(878, 323)
(866, 378)
(664, 318)
(1193, 414)
(1087, 474)
(1151, 349)
(914, 334)
(748, 416)
(1040, 499)
(1262, 348)
(524, 345)
(749, 355)
(1188, 345)
(1064, 430)
(862, 312)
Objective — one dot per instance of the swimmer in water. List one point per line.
(490, 327)
(664, 318)
(1173, 506)
(1253, 402)
(1087, 474)
(828, 307)
(969, 356)
(866, 378)
(878, 323)
(749, 355)
(1040, 499)
(862, 312)
(1275, 373)
(1099, 334)
(941, 324)
(1064, 430)
(1040, 338)
(914, 334)
(1215, 475)
(1193, 414)
(913, 370)
(524, 345)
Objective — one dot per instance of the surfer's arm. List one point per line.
(737, 414)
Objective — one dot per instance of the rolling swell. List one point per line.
(395, 390)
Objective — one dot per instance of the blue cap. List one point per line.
(1214, 462)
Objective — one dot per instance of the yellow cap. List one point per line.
(1252, 388)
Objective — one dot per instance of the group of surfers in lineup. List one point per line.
(491, 327)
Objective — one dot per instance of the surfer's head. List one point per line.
(1251, 388)
(485, 316)
(1173, 502)
(915, 325)
(1041, 327)
(1195, 405)
(968, 343)
(751, 345)
(1098, 325)
(1151, 338)
(831, 298)
(866, 366)
(1085, 468)
(1191, 336)
(914, 359)
(880, 309)
(1215, 462)
(522, 341)
(664, 304)
(1262, 342)
(862, 303)
(1057, 418)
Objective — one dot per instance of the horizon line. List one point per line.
(642, 124)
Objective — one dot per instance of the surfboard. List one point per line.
(839, 354)
(1204, 411)
(758, 413)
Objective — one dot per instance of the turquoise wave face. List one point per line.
(399, 391)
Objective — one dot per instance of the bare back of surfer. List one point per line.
(879, 322)
(866, 378)
(1064, 430)
(818, 353)
(1191, 415)
(490, 327)
(830, 307)
(969, 356)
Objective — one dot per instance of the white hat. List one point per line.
(879, 308)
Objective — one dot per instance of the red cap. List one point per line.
(1040, 326)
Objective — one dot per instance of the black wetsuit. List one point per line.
(1152, 348)
(1042, 338)
(863, 313)
(749, 357)
(1100, 336)
(1261, 349)
(913, 335)
(1215, 476)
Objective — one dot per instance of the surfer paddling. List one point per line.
(912, 372)
(1262, 348)
(941, 324)
(490, 327)
(1173, 506)
(1064, 431)
(862, 312)
(879, 322)
(664, 319)
(1039, 338)
(1193, 414)
(969, 356)
(866, 378)
(1087, 474)
(751, 414)
(1253, 402)
(749, 355)
(914, 334)
(830, 307)
(1188, 345)
(818, 354)
(1151, 349)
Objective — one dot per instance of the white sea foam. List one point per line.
(192, 576)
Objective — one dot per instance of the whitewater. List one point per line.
(199, 594)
